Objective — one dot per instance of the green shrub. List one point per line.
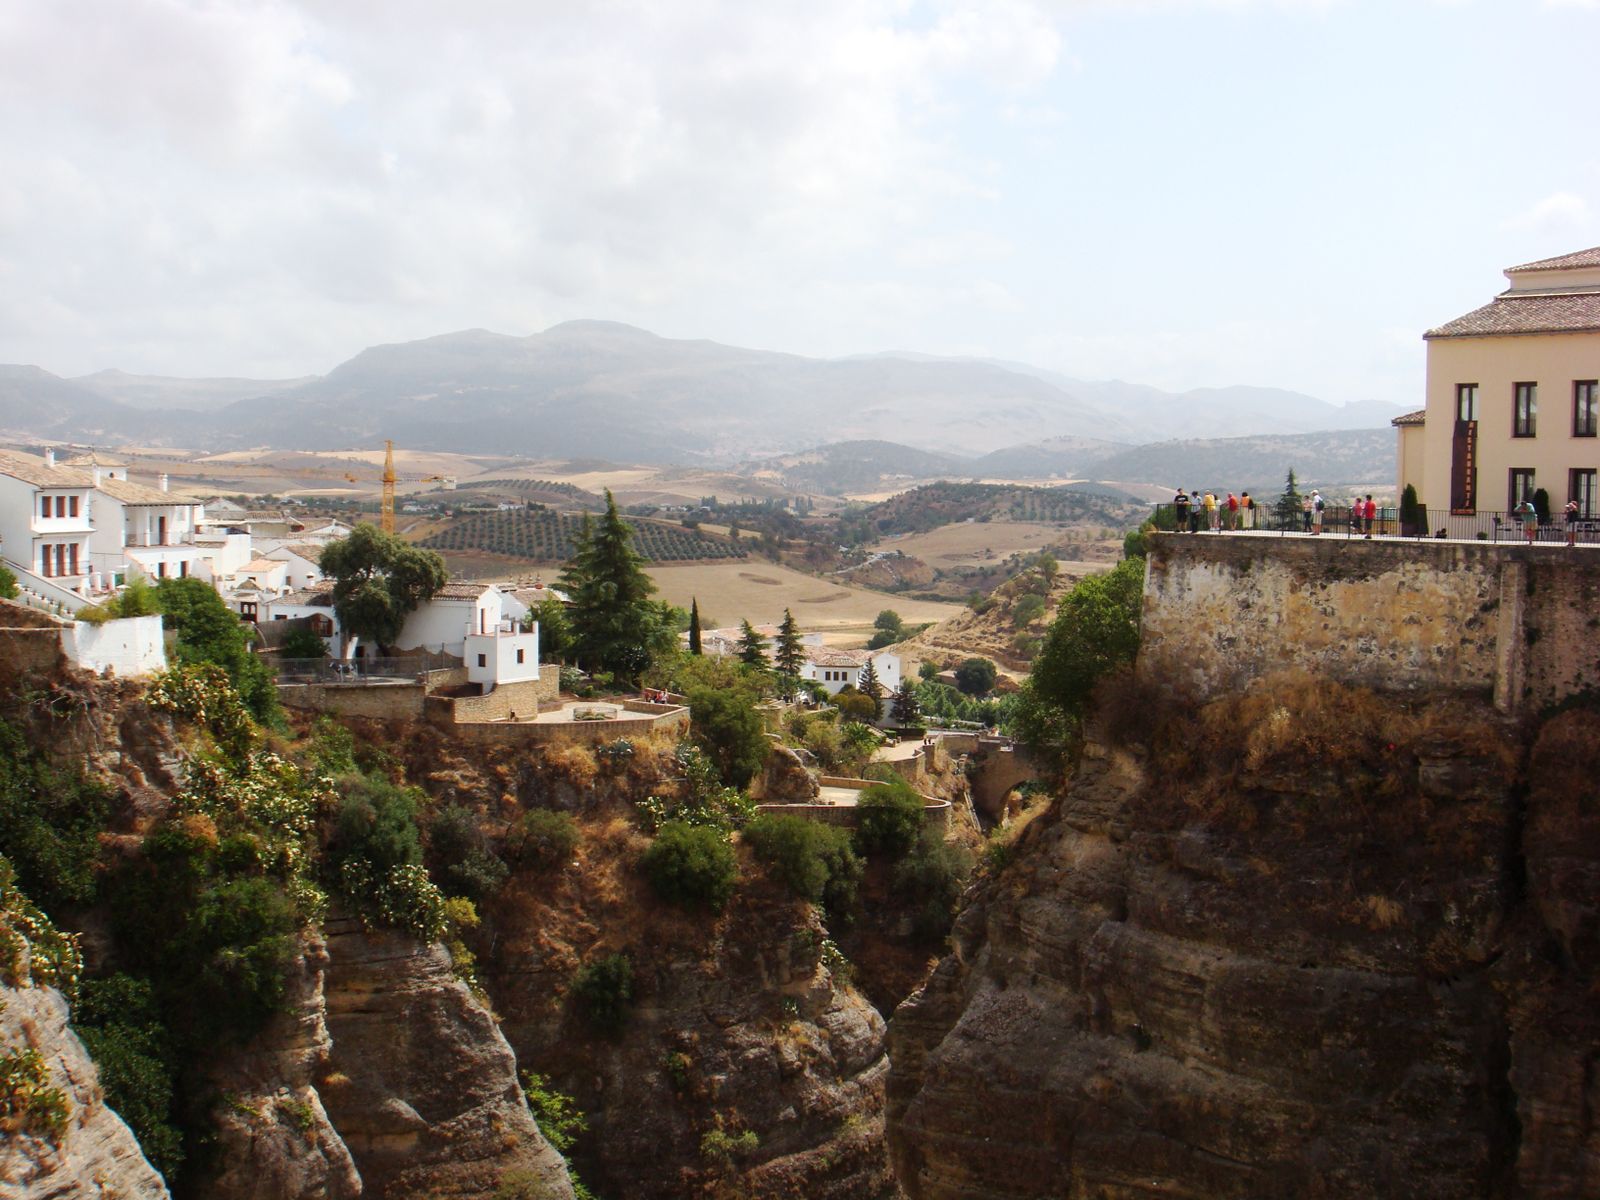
(460, 854)
(377, 821)
(28, 1102)
(543, 839)
(692, 865)
(816, 861)
(933, 876)
(603, 992)
(719, 1148)
(119, 1022)
(890, 820)
(50, 823)
(8, 584)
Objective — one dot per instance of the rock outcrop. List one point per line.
(421, 1086)
(96, 1155)
(1276, 950)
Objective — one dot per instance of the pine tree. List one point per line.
(1289, 503)
(871, 685)
(694, 626)
(788, 654)
(752, 647)
(906, 710)
(614, 622)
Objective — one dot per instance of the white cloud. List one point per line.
(1558, 213)
(360, 171)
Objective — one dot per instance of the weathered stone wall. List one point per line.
(570, 733)
(522, 697)
(382, 702)
(1395, 616)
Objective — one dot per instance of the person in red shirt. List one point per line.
(1370, 513)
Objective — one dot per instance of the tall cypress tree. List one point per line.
(614, 622)
(787, 653)
(694, 626)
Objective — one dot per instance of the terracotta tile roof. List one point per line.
(1512, 314)
(259, 564)
(310, 551)
(138, 495)
(33, 470)
(822, 657)
(461, 590)
(1565, 262)
(317, 597)
(1412, 418)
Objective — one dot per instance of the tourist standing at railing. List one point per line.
(1305, 514)
(1318, 504)
(1571, 512)
(1247, 511)
(1369, 513)
(1180, 507)
(1529, 516)
(1195, 510)
(1233, 512)
(1213, 517)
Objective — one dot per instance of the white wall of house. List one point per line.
(443, 623)
(837, 678)
(47, 545)
(301, 571)
(496, 658)
(221, 558)
(325, 620)
(127, 647)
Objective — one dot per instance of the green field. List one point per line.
(544, 536)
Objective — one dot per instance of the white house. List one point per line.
(838, 669)
(46, 521)
(301, 559)
(315, 603)
(141, 530)
(474, 622)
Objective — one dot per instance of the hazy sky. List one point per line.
(1178, 192)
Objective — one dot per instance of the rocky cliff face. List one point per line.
(96, 1155)
(1299, 943)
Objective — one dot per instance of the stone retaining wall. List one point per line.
(570, 733)
(1417, 616)
(31, 649)
(379, 701)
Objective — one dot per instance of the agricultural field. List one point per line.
(760, 591)
(964, 543)
(546, 537)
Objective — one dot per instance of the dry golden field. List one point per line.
(729, 592)
(965, 544)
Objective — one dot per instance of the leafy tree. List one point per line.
(555, 634)
(1096, 631)
(210, 632)
(788, 653)
(752, 647)
(976, 676)
(8, 583)
(890, 820)
(727, 726)
(694, 626)
(872, 687)
(933, 875)
(816, 861)
(856, 705)
(905, 709)
(1047, 566)
(927, 669)
(303, 642)
(615, 625)
(692, 865)
(1027, 610)
(378, 581)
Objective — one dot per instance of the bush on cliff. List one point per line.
(816, 861)
(603, 992)
(933, 877)
(890, 820)
(692, 865)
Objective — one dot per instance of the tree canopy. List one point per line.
(752, 646)
(1096, 631)
(211, 632)
(976, 676)
(378, 581)
(788, 655)
(616, 627)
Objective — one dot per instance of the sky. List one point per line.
(1183, 193)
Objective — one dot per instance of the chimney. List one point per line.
(164, 482)
(96, 473)
(50, 457)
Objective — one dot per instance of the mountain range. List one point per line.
(600, 389)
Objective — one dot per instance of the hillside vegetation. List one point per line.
(936, 504)
(542, 535)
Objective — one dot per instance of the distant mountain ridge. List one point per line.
(604, 390)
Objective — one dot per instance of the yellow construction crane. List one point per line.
(389, 478)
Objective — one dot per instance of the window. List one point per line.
(61, 506)
(1521, 486)
(1524, 409)
(247, 610)
(44, 506)
(483, 660)
(1466, 402)
(1581, 484)
(72, 506)
(1585, 403)
(519, 655)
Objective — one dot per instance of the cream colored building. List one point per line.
(1513, 399)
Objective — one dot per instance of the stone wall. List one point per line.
(379, 701)
(1512, 621)
(569, 733)
(523, 697)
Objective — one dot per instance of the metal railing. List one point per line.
(1338, 521)
(354, 670)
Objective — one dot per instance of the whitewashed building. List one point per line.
(46, 522)
(141, 530)
(839, 669)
